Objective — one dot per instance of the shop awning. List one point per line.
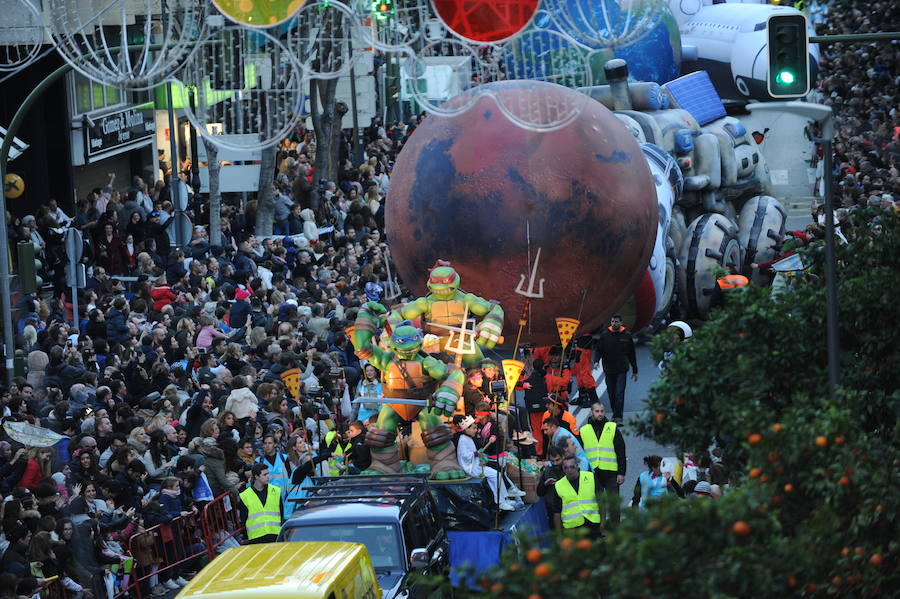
(16, 148)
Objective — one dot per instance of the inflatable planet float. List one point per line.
(480, 191)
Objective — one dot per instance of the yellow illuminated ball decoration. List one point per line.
(259, 13)
(13, 186)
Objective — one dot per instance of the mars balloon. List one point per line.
(473, 188)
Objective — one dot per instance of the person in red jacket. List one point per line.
(37, 468)
(583, 369)
(558, 376)
(162, 294)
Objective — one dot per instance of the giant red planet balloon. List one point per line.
(467, 188)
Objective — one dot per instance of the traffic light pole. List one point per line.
(9, 348)
(821, 114)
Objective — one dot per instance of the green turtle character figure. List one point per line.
(442, 310)
(408, 374)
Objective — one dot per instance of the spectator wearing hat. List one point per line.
(701, 489)
(470, 459)
(239, 312)
(556, 408)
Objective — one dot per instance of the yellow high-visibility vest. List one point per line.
(262, 519)
(336, 461)
(580, 506)
(601, 452)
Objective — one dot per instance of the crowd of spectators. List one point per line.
(169, 388)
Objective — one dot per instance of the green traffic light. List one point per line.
(785, 77)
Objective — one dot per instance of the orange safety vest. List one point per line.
(568, 417)
(732, 282)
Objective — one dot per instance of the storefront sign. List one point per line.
(119, 129)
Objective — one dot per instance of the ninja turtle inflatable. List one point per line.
(409, 375)
(444, 309)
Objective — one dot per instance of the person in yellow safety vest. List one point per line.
(262, 502)
(574, 499)
(605, 449)
(279, 468)
(337, 461)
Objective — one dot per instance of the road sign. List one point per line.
(74, 245)
(75, 275)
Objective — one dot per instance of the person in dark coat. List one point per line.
(116, 327)
(111, 251)
(359, 455)
(615, 351)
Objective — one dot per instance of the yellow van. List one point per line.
(303, 570)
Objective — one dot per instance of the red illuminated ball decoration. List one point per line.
(486, 20)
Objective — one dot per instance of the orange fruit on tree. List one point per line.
(584, 544)
(542, 570)
(777, 428)
(566, 543)
(791, 581)
(534, 596)
(788, 488)
(679, 401)
(821, 441)
(858, 551)
(810, 588)
(584, 574)
(764, 478)
(876, 559)
(755, 472)
(773, 457)
(660, 417)
(514, 567)
(497, 587)
(754, 438)
(836, 581)
(845, 552)
(534, 555)
(740, 528)
(844, 481)
(840, 440)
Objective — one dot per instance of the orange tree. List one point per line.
(813, 499)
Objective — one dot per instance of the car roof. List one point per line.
(342, 513)
(276, 570)
(363, 496)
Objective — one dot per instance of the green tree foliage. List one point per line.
(812, 509)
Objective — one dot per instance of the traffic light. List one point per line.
(382, 9)
(788, 56)
(29, 267)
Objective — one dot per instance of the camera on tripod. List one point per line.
(318, 394)
(498, 388)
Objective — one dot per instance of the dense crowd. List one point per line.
(170, 387)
